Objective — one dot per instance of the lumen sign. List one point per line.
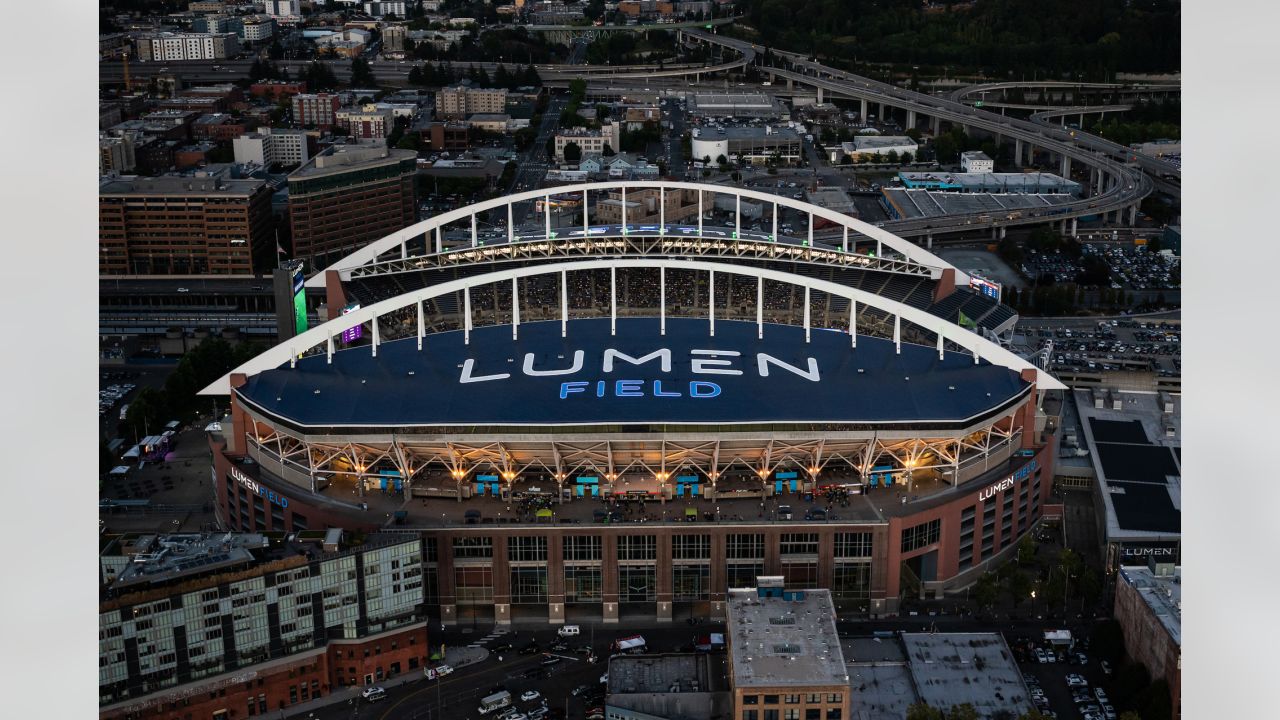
(701, 362)
(1022, 473)
(258, 489)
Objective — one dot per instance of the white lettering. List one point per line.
(528, 366)
(245, 481)
(467, 377)
(704, 367)
(763, 360)
(663, 354)
(990, 492)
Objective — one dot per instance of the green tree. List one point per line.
(607, 151)
(361, 73)
(1019, 586)
(319, 76)
(963, 711)
(986, 590)
(578, 89)
(572, 153)
(892, 157)
(906, 158)
(921, 711)
(1026, 550)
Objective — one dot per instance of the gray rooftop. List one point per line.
(344, 158)
(159, 558)
(976, 668)
(170, 185)
(670, 686)
(775, 641)
(1163, 595)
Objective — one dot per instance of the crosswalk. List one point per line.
(494, 635)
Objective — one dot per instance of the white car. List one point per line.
(443, 670)
(1101, 695)
(604, 678)
(1074, 680)
(530, 695)
(373, 693)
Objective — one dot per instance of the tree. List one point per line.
(986, 590)
(361, 73)
(319, 76)
(551, 148)
(921, 711)
(578, 89)
(721, 160)
(276, 50)
(906, 158)
(572, 153)
(963, 711)
(607, 151)
(1026, 550)
(1019, 586)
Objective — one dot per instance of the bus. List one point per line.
(495, 701)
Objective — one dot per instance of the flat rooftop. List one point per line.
(992, 182)
(774, 641)
(729, 103)
(780, 379)
(671, 686)
(912, 203)
(1163, 595)
(160, 558)
(976, 668)
(344, 158)
(1137, 463)
(178, 185)
(777, 134)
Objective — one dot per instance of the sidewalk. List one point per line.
(455, 657)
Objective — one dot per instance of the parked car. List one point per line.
(579, 690)
(373, 693)
(529, 695)
(1074, 680)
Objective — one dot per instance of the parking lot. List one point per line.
(1131, 268)
(1063, 685)
(1141, 345)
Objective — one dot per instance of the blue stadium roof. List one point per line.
(779, 379)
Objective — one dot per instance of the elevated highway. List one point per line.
(1119, 187)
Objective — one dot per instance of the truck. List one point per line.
(495, 701)
(633, 644)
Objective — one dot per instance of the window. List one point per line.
(750, 714)
(771, 714)
(582, 584)
(791, 699)
(637, 583)
(691, 582)
(470, 547)
(855, 544)
(744, 547)
(637, 547)
(791, 714)
(691, 547)
(918, 536)
(529, 584)
(835, 698)
(743, 575)
(815, 698)
(582, 547)
(812, 714)
(799, 544)
(771, 699)
(750, 699)
(834, 714)
(527, 549)
(852, 580)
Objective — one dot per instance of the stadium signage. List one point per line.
(1022, 473)
(258, 489)
(1131, 554)
(701, 362)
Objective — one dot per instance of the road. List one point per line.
(1128, 185)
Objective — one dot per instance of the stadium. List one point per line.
(628, 417)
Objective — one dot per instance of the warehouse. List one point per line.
(750, 144)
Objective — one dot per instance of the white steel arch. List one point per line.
(431, 226)
(324, 334)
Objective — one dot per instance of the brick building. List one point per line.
(182, 225)
(367, 122)
(315, 109)
(276, 89)
(233, 626)
(1149, 609)
(348, 196)
(784, 653)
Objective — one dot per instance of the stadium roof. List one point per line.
(493, 381)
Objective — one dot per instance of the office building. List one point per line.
(668, 686)
(755, 145)
(382, 8)
(455, 103)
(367, 122)
(238, 625)
(784, 653)
(868, 146)
(393, 37)
(347, 196)
(643, 206)
(590, 142)
(976, 161)
(272, 146)
(115, 154)
(182, 225)
(315, 109)
(291, 9)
